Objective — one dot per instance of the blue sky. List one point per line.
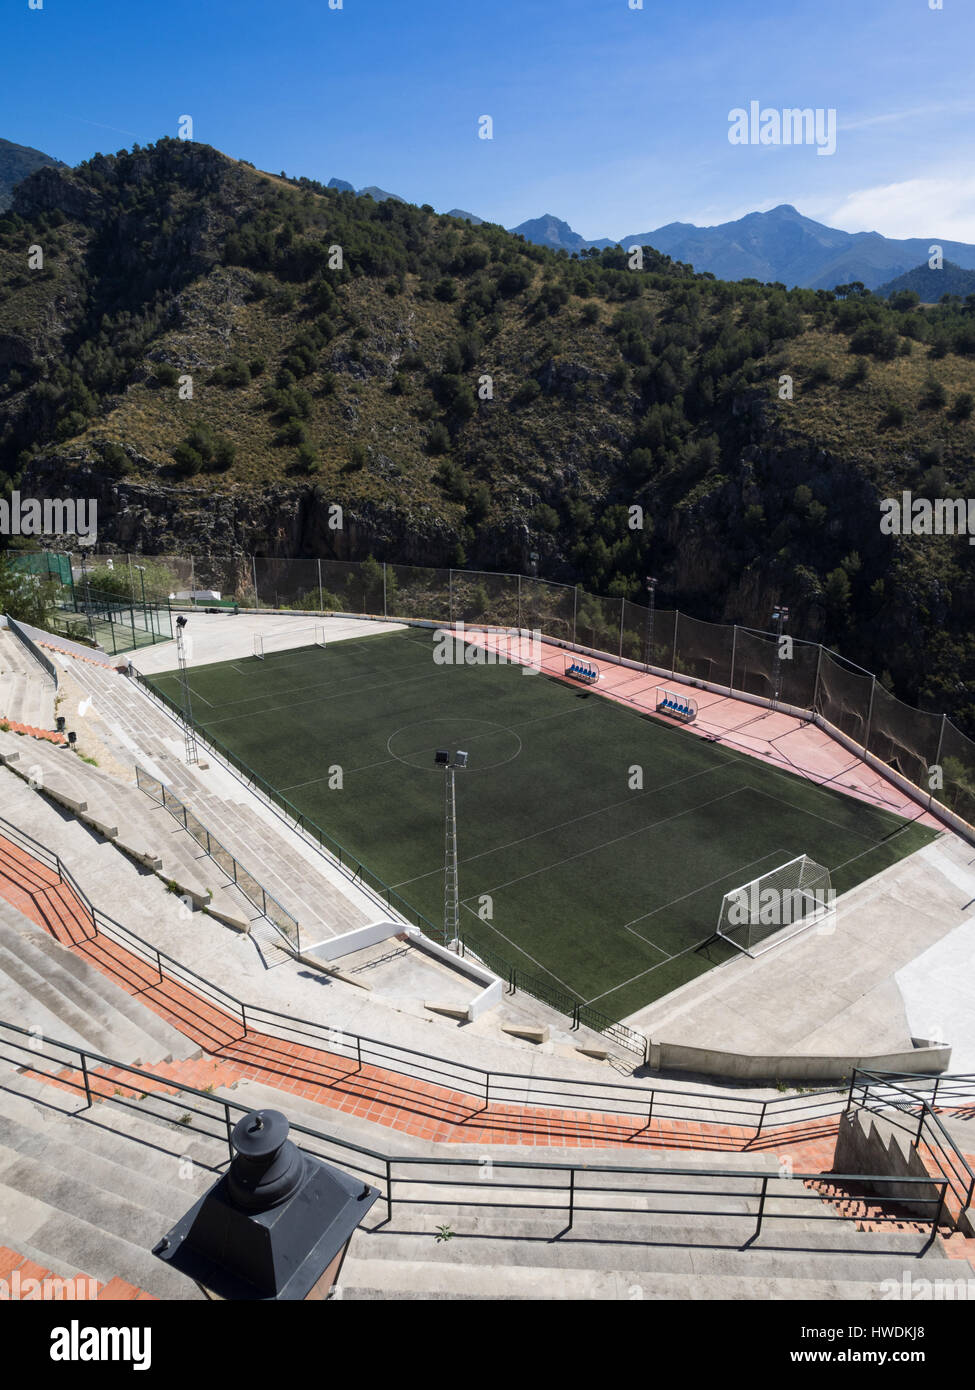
(612, 118)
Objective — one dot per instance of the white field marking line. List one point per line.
(297, 690)
(647, 942)
(627, 926)
(649, 971)
(875, 845)
(472, 738)
(815, 815)
(724, 736)
(574, 820)
(521, 950)
(594, 849)
(275, 709)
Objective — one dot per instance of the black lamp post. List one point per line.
(276, 1226)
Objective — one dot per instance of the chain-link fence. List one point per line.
(925, 748)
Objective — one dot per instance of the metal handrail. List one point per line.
(278, 803)
(386, 1178)
(480, 1084)
(165, 796)
(945, 1147)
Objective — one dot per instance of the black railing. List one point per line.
(353, 867)
(558, 1190)
(885, 1092)
(476, 1087)
(284, 922)
(514, 977)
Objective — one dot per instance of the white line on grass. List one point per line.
(514, 945)
(594, 849)
(574, 820)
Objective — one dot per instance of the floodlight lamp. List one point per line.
(443, 757)
(181, 621)
(461, 759)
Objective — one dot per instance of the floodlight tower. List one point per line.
(451, 890)
(652, 591)
(780, 616)
(189, 738)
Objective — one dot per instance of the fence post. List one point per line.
(572, 1195)
(385, 613)
(920, 1128)
(84, 1073)
(243, 1017)
(849, 1099)
(230, 1142)
(819, 667)
(254, 577)
(159, 966)
(389, 1190)
(941, 739)
(734, 648)
(941, 1207)
(358, 1050)
(450, 596)
(761, 1207)
(650, 1111)
(761, 1118)
(673, 654)
(622, 617)
(866, 733)
(519, 603)
(321, 595)
(575, 610)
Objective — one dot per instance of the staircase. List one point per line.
(95, 1189)
(48, 988)
(296, 876)
(26, 690)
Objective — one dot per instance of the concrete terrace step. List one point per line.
(145, 830)
(58, 1235)
(74, 987)
(365, 1278)
(77, 1192)
(26, 690)
(135, 1133)
(321, 906)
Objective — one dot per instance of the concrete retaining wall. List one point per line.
(666, 1056)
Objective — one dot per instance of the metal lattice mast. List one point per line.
(189, 738)
(451, 889)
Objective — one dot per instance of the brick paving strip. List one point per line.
(16, 728)
(15, 1271)
(400, 1102)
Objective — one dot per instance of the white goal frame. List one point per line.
(268, 644)
(801, 878)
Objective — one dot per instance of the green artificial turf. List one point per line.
(569, 869)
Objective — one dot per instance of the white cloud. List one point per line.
(941, 206)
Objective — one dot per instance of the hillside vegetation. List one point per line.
(365, 386)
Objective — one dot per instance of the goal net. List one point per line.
(267, 644)
(777, 905)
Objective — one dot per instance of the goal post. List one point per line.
(777, 905)
(266, 644)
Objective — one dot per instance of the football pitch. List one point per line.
(595, 843)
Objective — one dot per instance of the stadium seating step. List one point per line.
(44, 985)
